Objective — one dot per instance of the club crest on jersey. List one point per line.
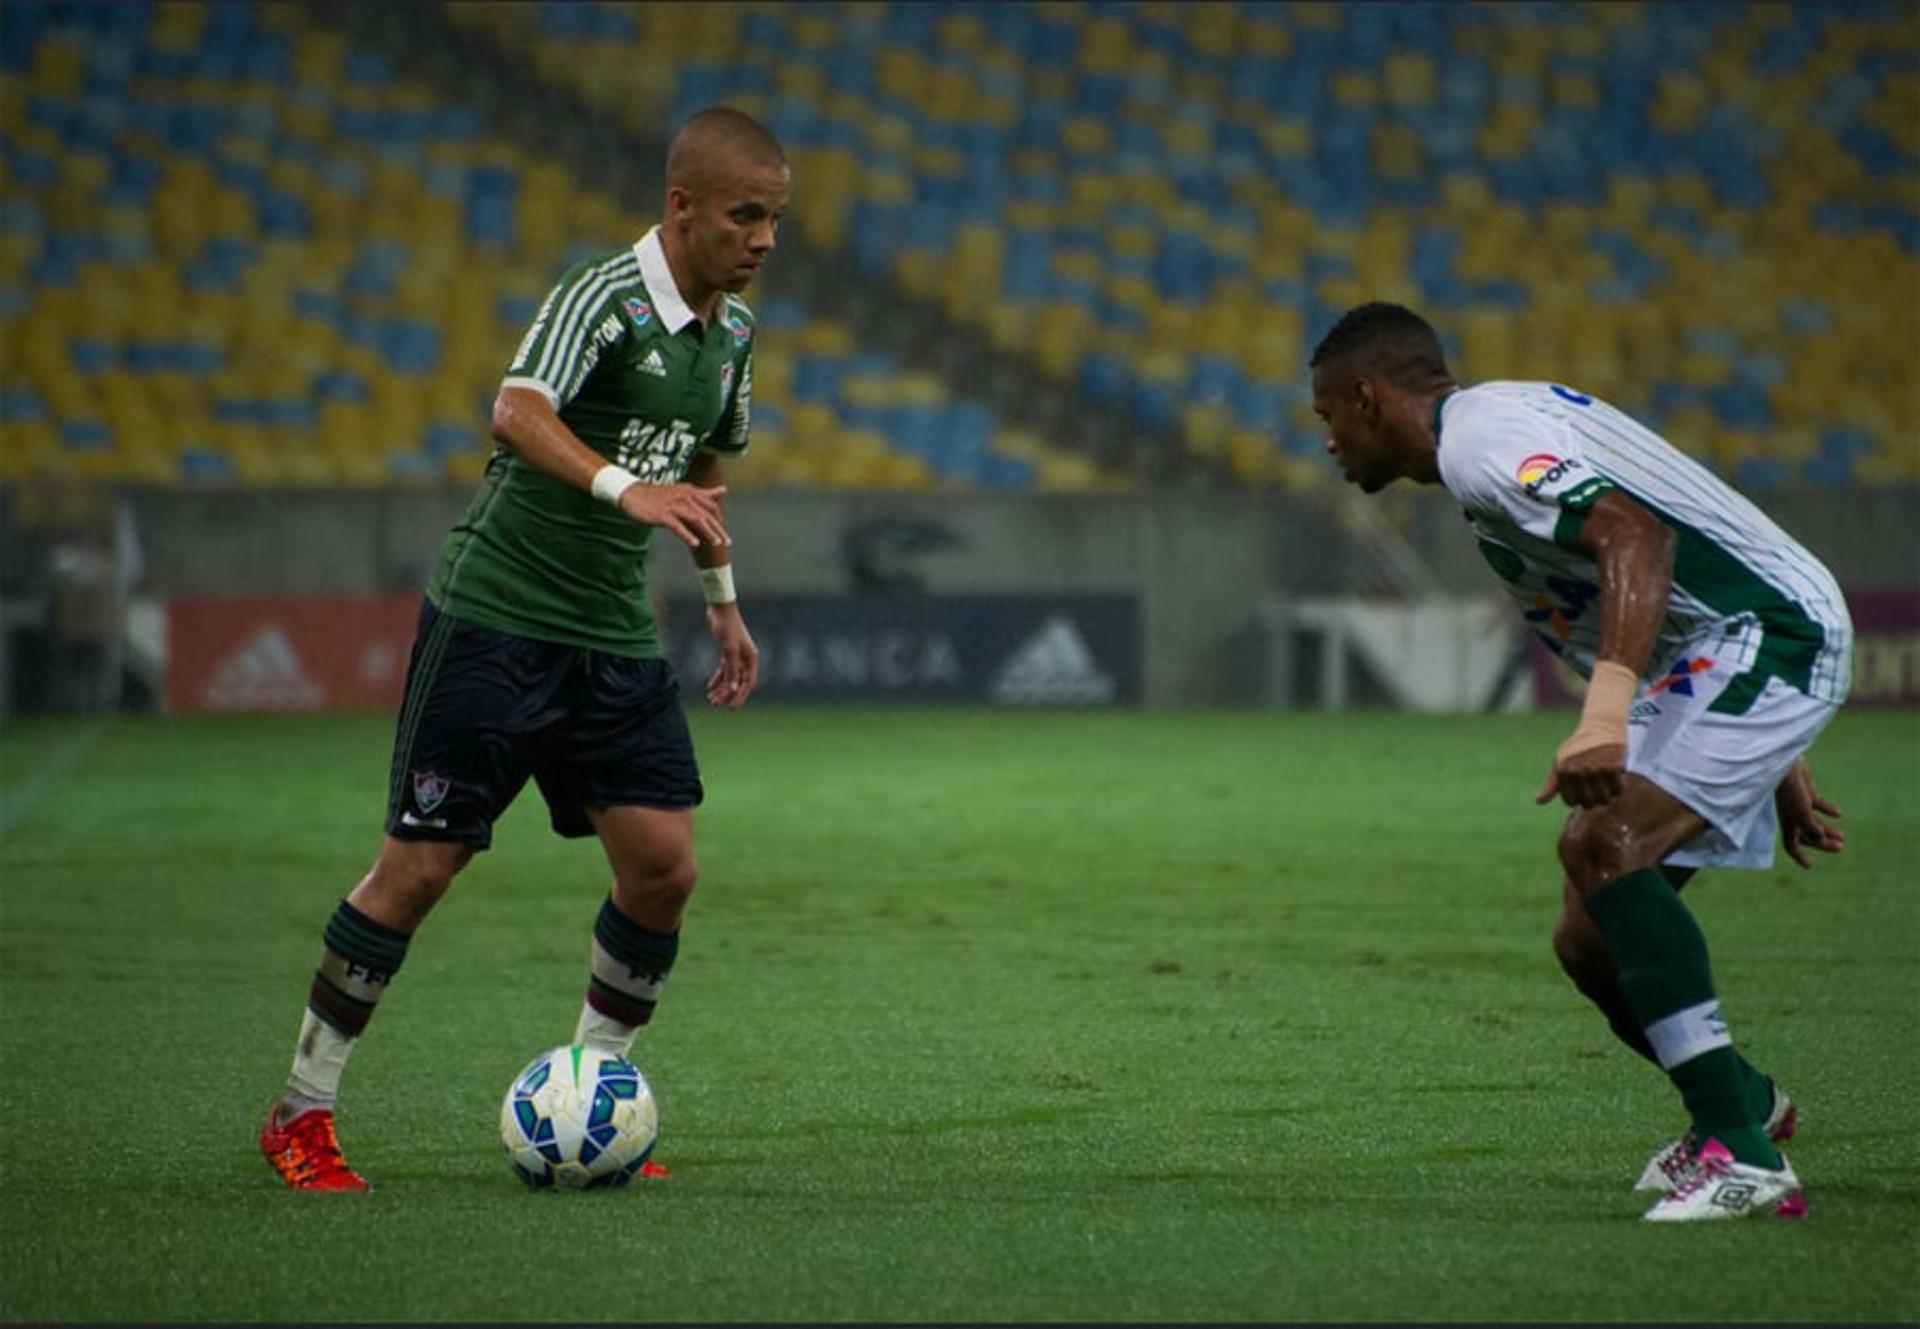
(429, 789)
(738, 327)
(638, 310)
(1679, 679)
(1542, 469)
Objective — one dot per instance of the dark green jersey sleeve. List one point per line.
(577, 324)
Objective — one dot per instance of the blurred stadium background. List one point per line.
(1031, 419)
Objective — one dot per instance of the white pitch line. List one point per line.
(18, 805)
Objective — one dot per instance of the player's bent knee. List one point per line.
(432, 865)
(1597, 846)
(656, 898)
(1579, 947)
(675, 882)
(408, 879)
(666, 876)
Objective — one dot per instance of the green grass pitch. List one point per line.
(979, 1016)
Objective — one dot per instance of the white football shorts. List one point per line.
(1724, 767)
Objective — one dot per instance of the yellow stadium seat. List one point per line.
(1205, 427)
(1006, 324)
(1059, 336)
(921, 272)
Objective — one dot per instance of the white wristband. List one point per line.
(717, 583)
(610, 481)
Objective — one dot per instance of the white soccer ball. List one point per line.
(578, 1117)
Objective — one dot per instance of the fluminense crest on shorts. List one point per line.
(429, 789)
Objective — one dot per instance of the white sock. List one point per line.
(318, 1060)
(600, 1031)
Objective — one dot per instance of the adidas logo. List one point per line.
(1053, 668)
(653, 364)
(263, 675)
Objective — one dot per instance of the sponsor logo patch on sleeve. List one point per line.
(1543, 469)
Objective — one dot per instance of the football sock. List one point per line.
(1759, 1091)
(319, 1057)
(1604, 992)
(630, 964)
(1661, 955)
(360, 959)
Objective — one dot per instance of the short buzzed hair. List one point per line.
(714, 140)
(1386, 341)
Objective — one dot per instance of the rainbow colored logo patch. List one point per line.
(1535, 468)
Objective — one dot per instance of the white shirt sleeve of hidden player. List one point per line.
(1510, 463)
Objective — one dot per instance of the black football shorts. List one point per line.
(486, 709)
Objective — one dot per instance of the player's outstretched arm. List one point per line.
(738, 669)
(525, 421)
(1801, 810)
(1633, 552)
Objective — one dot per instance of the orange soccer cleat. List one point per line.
(306, 1153)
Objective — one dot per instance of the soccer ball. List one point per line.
(578, 1117)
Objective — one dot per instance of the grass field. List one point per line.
(979, 1016)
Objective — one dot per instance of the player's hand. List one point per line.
(1589, 778)
(690, 512)
(739, 667)
(1799, 807)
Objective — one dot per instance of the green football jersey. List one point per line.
(636, 376)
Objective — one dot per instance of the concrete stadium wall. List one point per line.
(1202, 563)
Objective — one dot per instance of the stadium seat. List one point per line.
(1164, 206)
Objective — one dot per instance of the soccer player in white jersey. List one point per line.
(1716, 650)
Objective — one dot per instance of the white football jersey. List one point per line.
(1527, 460)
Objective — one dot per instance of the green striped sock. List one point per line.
(1664, 972)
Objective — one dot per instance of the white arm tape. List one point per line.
(610, 481)
(717, 584)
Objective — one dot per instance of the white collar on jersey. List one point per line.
(674, 311)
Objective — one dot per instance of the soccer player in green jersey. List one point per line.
(537, 654)
(1717, 649)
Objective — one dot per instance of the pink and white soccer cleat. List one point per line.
(1670, 1167)
(1720, 1186)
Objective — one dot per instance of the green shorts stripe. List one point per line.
(419, 683)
